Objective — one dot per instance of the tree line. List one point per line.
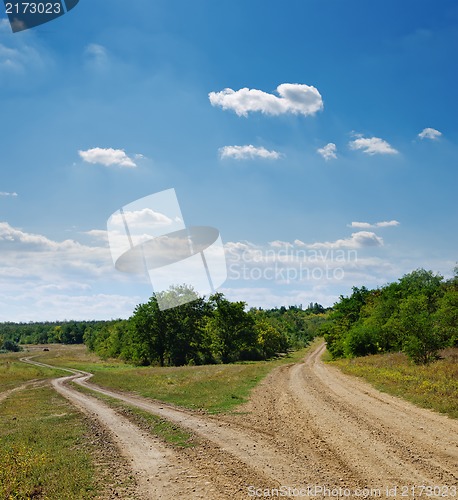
(203, 331)
(418, 315)
(45, 332)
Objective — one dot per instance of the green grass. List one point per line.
(168, 432)
(14, 373)
(433, 386)
(44, 452)
(214, 388)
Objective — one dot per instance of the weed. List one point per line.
(433, 386)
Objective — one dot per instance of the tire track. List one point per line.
(309, 424)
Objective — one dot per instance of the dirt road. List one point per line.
(307, 425)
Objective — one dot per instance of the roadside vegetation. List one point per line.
(416, 315)
(203, 330)
(434, 385)
(44, 448)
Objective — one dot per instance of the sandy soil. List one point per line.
(307, 425)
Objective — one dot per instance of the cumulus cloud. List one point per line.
(108, 157)
(248, 152)
(98, 234)
(367, 225)
(16, 238)
(372, 146)
(5, 193)
(284, 251)
(294, 98)
(429, 133)
(328, 152)
(360, 239)
(143, 219)
(47, 279)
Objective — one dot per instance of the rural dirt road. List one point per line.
(307, 426)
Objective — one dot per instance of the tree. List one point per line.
(270, 340)
(446, 317)
(421, 342)
(149, 334)
(231, 328)
(183, 324)
(9, 345)
(345, 313)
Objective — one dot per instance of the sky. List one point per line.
(318, 136)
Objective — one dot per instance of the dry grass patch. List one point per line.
(433, 386)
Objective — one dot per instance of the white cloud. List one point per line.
(280, 244)
(5, 193)
(367, 225)
(96, 50)
(298, 99)
(248, 152)
(429, 133)
(22, 63)
(328, 152)
(97, 56)
(98, 234)
(143, 219)
(372, 146)
(44, 279)
(360, 239)
(361, 225)
(387, 223)
(30, 240)
(108, 157)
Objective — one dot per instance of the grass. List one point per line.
(44, 451)
(14, 373)
(433, 386)
(213, 388)
(168, 432)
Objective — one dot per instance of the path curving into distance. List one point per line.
(307, 425)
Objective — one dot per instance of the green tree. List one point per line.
(421, 342)
(270, 339)
(149, 334)
(231, 328)
(183, 324)
(345, 314)
(446, 317)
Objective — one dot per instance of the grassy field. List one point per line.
(14, 373)
(214, 388)
(42, 439)
(433, 386)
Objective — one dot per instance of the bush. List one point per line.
(362, 340)
(11, 346)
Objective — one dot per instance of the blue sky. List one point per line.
(351, 168)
